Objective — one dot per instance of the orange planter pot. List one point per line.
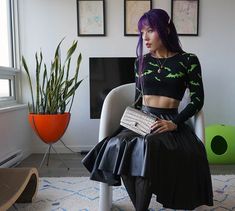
(49, 127)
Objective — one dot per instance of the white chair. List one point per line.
(112, 110)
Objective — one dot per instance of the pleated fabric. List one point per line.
(175, 162)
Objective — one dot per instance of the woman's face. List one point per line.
(151, 39)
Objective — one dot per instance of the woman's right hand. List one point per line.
(162, 125)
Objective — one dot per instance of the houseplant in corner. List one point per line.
(53, 94)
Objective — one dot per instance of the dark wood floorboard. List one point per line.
(76, 169)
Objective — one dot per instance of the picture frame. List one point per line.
(133, 10)
(91, 18)
(185, 15)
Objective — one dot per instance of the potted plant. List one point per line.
(53, 94)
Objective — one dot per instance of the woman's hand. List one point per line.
(162, 125)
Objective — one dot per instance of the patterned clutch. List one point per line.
(137, 121)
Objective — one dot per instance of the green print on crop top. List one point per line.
(178, 73)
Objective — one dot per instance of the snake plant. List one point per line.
(54, 88)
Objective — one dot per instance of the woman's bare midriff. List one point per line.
(160, 101)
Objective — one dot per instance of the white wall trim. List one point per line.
(12, 107)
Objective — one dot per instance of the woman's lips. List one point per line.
(148, 45)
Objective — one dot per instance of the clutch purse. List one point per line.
(137, 120)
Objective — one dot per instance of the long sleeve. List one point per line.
(195, 85)
(138, 97)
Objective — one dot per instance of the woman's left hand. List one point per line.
(162, 125)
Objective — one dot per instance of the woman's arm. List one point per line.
(195, 85)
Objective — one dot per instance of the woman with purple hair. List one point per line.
(171, 161)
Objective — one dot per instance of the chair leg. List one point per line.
(44, 157)
(60, 157)
(49, 153)
(105, 202)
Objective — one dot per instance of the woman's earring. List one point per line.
(169, 20)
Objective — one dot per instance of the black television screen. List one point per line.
(106, 74)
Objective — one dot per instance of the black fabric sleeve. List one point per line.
(195, 85)
(138, 96)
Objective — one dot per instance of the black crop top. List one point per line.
(179, 72)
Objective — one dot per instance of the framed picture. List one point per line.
(91, 17)
(133, 10)
(185, 15)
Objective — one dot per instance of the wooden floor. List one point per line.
(57, 169)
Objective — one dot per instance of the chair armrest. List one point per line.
(113, 107)
(199, 125)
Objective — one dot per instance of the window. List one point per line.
(5, 41)
(8, 52)
(5, 85)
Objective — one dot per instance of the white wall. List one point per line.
(44, 23)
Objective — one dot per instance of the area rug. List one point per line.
(82, 194)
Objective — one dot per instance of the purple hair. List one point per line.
(159, 21)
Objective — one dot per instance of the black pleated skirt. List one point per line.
(175, 162)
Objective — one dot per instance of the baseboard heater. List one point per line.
(11, 159)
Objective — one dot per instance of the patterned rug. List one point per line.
(81, 194)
